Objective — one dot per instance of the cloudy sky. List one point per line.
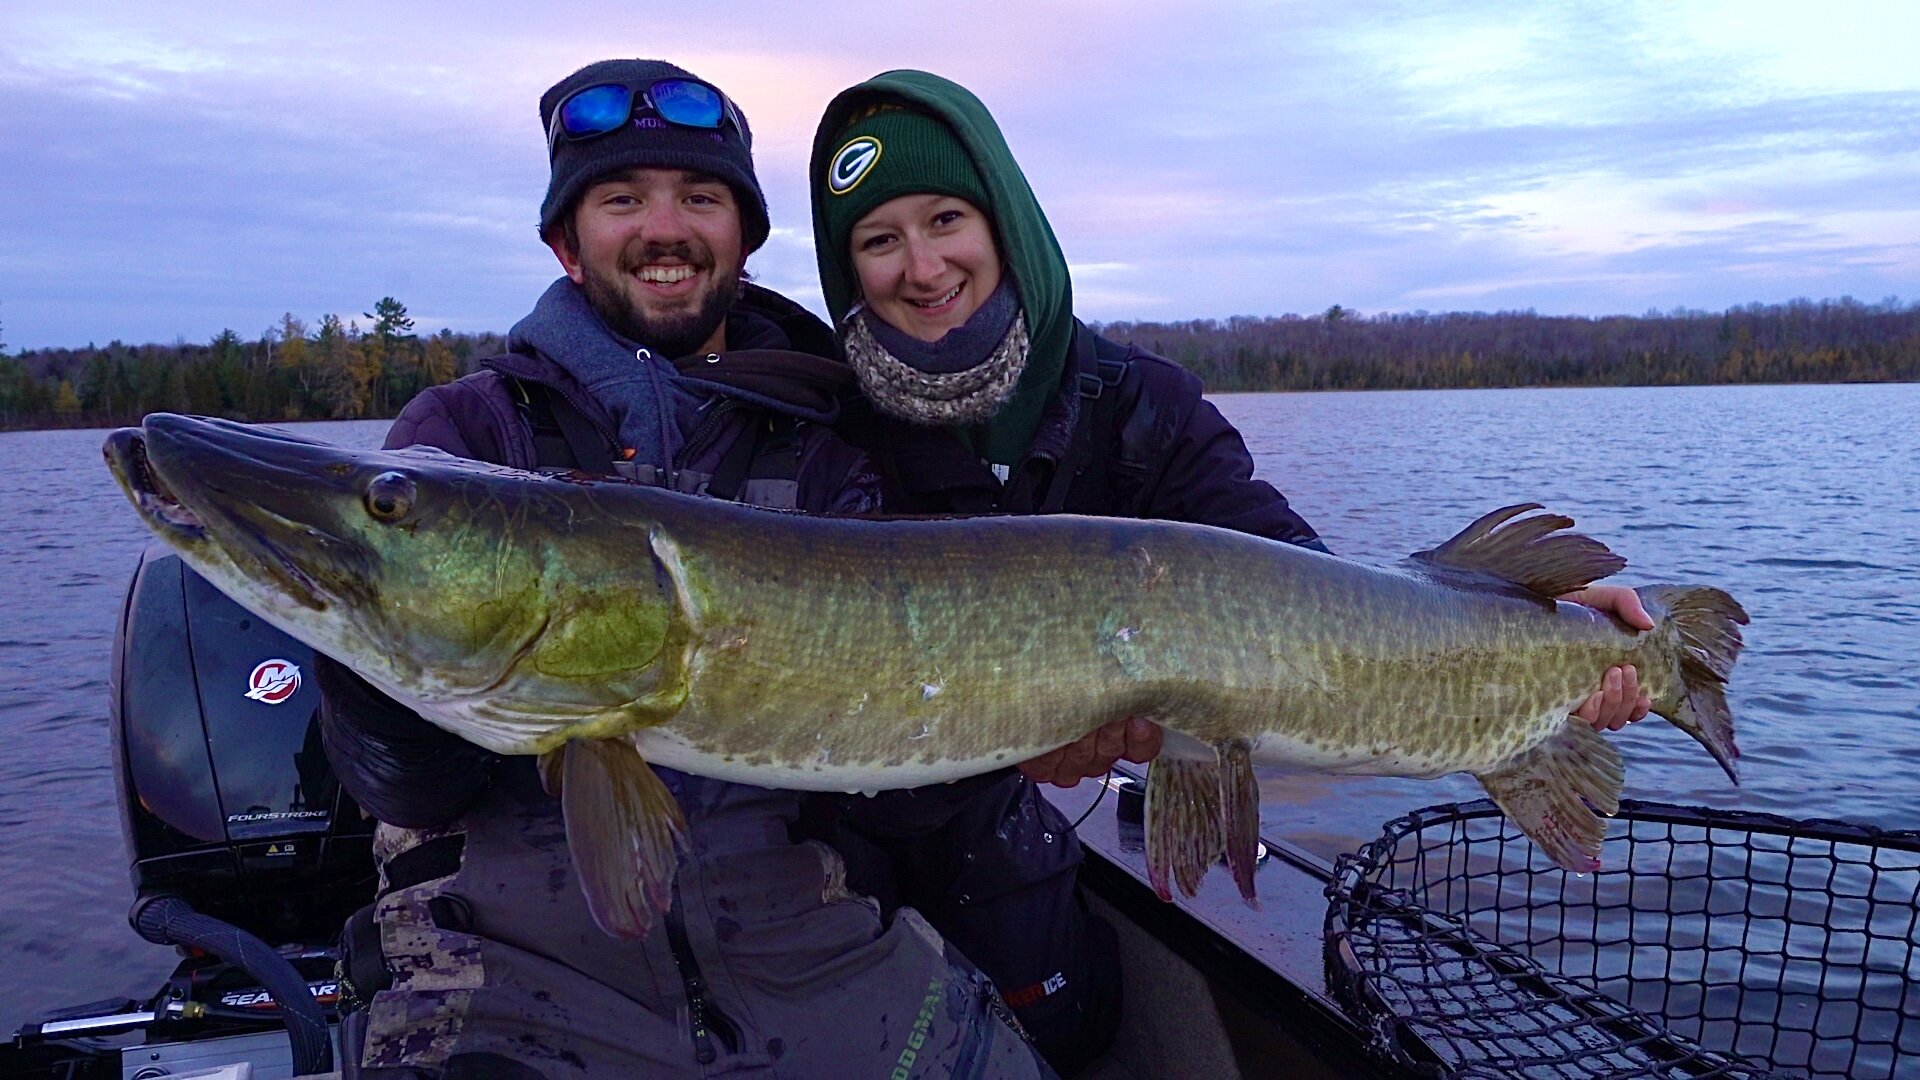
(169, 170)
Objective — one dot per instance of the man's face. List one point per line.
(659, 257)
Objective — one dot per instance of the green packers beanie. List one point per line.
(889, 152)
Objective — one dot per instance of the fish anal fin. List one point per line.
(1183, 818)
(1532, 552)
(1240, 814)
(623, 829)
(1557, 791)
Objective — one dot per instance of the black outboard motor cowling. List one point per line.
(226, 796)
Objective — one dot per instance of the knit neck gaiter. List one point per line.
(964, 378)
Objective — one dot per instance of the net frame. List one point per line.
(1725, 944)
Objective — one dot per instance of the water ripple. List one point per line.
(1818, 564)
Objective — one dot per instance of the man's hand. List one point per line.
(1618, 702)
(1136, 740)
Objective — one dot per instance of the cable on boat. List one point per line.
(1095, 805)
(170, 920)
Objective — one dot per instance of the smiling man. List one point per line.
(655, 358)
(658, 253)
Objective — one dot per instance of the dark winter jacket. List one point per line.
(1165, 452)
(483, 415)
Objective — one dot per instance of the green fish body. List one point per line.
(604, 625)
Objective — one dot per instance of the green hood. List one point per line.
(1027, 244)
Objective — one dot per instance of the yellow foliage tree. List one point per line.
(66, 401)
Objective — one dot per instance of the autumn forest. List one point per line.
(342, 368)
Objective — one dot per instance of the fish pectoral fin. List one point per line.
(1556, 792)
(623, 831)
(1196, 807)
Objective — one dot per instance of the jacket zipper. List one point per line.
(703, 1016)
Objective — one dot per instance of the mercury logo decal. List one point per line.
(273, 681)
(852, 164)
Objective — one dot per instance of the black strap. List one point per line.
(425, 861)
(362, 967)
(770, 450)
(1086, 464)
(779, 451)
(549, 444)
(1098, 449)
(731, 474)
(562, 438)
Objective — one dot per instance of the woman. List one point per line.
(955, 310)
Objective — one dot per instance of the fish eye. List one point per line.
(390, 496)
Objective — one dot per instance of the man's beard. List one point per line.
(672, 335)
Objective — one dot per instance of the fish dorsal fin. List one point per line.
(1532, 553)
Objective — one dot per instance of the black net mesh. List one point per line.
(1714, 944)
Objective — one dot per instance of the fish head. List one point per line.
(402, 565)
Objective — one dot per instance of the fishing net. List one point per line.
(1714, 944)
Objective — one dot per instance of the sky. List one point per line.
(168, 171)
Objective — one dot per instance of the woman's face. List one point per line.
(925, 262)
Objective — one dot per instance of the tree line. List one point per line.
(1800, 341)
(333, 370)
(337, 370)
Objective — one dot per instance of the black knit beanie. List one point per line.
(723, 153)
(894, 151)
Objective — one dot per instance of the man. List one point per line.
(654, 358)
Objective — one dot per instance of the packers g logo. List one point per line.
(852, 164)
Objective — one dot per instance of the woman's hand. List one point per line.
(1618, 702)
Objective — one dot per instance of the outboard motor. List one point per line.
(226, 796)
(246, 853)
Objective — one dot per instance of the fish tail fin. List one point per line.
(623, 829)
(1556, 792)
(1200, 801)
(1705, 623)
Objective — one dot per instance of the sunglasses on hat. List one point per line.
(593, 111)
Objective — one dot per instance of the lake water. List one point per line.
(1803, 501)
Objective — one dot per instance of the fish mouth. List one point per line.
(221, 491)
(126, 454)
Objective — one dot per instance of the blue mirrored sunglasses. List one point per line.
(593, 111)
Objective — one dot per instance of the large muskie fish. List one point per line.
(605, 625)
